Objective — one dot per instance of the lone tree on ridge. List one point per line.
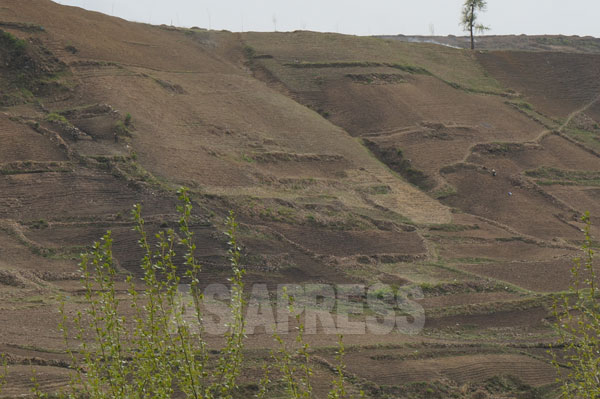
(470, 12)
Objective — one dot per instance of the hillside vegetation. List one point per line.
(345, 159)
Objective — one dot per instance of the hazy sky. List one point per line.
(362, 17)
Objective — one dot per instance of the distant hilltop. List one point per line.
(560, 43)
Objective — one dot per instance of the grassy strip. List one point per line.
(527, 109)
(491, 307)
(550, 176)
(452, 228)
(27, 27)
(12, 43)
(7, 172)
(360, 64)
(587, 138)
(414, 70)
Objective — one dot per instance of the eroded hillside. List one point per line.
(346, 159)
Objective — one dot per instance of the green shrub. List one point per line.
(3, 371)
(11, 43)
(577, 316)
(57, 118)
(24, 26)
(159, 353)
(323, 113)
(39, 224)
(71, 49)
(121, 130)
(249, 51)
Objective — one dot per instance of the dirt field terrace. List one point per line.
(346, 160)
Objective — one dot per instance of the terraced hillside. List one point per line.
(346, 159)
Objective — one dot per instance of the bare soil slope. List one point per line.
(346, 159)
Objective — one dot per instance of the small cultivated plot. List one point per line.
(469, 297)
(323, 373)
(555, 83)
(21, 143)
(35, 196)
(539, 276)
(35, 167)
(588, 138)
(446, 290)
(501, 249)
(462, 364)
(525, 321)
(466, 228)
(27, 264)
(377, 78)
(349, 243)
(428, 274)
(553, 151)
(510, 202)
(309, 49)
(584, 199)
(452, 300)
(19, 379)
(528, 109)
(550, 176)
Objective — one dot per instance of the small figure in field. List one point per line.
(510, 193)
(494, 172)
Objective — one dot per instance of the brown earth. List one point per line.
(22, 144)
(349, 243)
(541, 276)
(346, 159)
(512, 248)
(462, 369)
(556, 83)
(511, 203)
